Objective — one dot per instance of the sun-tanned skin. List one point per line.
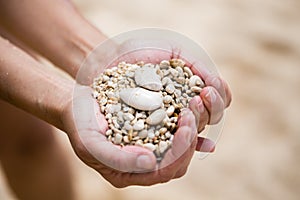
(28, 150)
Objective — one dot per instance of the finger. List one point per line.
(205, 145)
(184, 141)
(213, 103)
(126, 159)
(212, 79)
(200, 112)
(221, 86)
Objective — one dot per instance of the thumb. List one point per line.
(125, 159)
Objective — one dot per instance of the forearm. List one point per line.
(53, 28)
(30, 86)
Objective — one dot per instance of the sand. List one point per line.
(256, 46)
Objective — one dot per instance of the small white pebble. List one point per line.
(139, 125)
(118, 138)
(170, 88)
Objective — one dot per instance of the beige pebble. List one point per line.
(170, 89)
(108, 132)
(174, 72)
(196, 81)
(180, 80)
(163, 146)
(126, 139)
(163, 130)
(167, 99)
(118, 138)
(188, 71)
(177, 62)
(166, 80)
(170, 111)
(164, 64)
(168, 134)
(196, 89)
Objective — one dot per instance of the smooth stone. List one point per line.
(166, 80)
(141, 99)
(196, 81)
(128, 116)
(156, 117)
(170, 88)
(143, 134)
(118, 138)
(151, 134)
(170, 111)
(139, 125)
(127, 126)
(163, 146)
(114, 108)
(188, 71)
(147, 77)
(167, 99)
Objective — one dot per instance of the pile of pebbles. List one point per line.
(141, 102)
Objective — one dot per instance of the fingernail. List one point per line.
(211, 94)
(144, 162)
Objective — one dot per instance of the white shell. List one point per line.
(156, 117)
(141, 99)
(148, 78)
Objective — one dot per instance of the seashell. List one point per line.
(148, 78)
(156, 117)
(141, 99)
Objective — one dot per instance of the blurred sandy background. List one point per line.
(256, 45)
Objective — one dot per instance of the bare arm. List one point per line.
(31, 87)
(53, 28)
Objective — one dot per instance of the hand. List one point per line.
(130, 165)
(121, 166)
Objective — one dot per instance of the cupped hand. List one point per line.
(133, 165)
(129, 165)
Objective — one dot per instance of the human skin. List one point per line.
(28, 85)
